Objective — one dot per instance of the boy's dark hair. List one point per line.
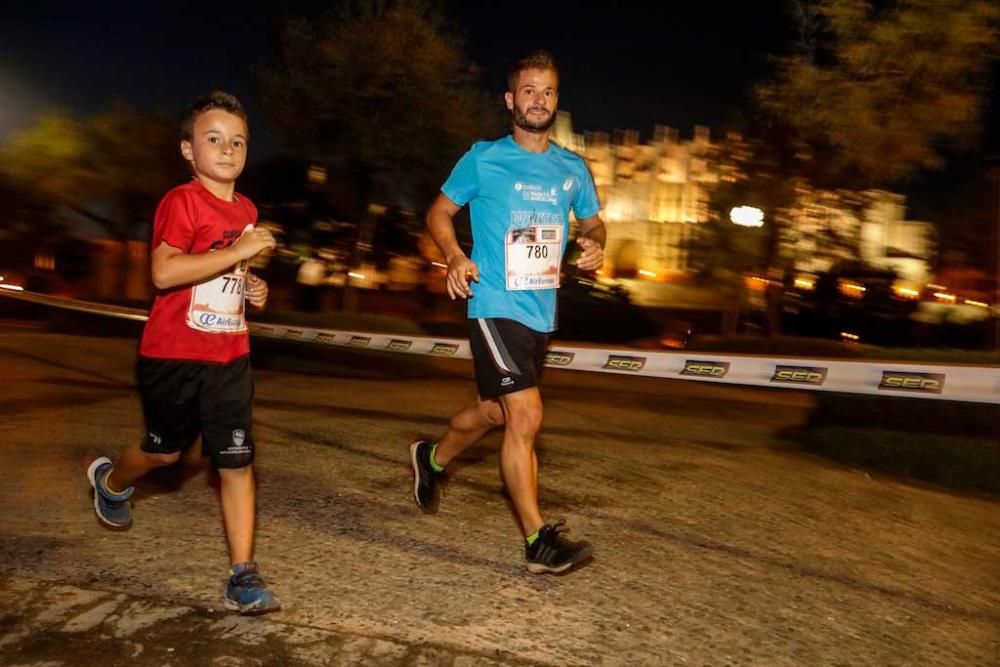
(535, 60)
(217, 99)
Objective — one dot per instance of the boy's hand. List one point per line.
(255, 290)
(252, 242)
(592, 257)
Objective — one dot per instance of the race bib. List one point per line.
(217, 305)
(534, 255)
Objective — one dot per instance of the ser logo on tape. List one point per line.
(705, 369)
(928, 383)
(620, 362)
(553, 358)
(396, 345)
(326, 338)
(815, 375)
(444, 349)
(359, 341)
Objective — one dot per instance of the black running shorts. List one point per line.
(508, 356)
(184, 399)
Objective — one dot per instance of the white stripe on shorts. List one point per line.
(492, 344)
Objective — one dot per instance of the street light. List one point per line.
(747, 216)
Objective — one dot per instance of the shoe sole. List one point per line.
(92, 476)
(250, 609)
(416, 478)
(541, 568)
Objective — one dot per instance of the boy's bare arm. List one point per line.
(172, 267)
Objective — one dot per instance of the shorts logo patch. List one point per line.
(239, 435)
(506, 381)
(155, 438)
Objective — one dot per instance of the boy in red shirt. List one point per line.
(193, 368)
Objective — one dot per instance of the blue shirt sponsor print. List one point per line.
(508, 188)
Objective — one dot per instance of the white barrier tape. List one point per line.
(957, 383)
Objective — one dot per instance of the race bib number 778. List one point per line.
(217, 305)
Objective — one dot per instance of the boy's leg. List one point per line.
(168, 390)
(227, 416)
(238, 496)
(133, 464)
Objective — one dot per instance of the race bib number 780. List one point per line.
(534, 255)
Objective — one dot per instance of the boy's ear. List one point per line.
(187, 151)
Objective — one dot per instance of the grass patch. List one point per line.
(956, 462)
(950, 443)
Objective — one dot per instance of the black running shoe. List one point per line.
(553, 553)
(425, 480)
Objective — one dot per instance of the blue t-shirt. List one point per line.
(508, 187)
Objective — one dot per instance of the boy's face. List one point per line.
(218, 148)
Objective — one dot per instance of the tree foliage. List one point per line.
(381, 90)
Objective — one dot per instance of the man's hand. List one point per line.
(592, 257)
(460, 270)
(255, 290)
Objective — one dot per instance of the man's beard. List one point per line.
(522, 121)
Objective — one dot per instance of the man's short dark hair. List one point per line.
(217, 99)
(534, 60)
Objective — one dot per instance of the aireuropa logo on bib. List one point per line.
(399, 345)
(359, 341)
(444, 349)
(928, 383)
(815, 375)
(621, 362)
(705, 368)
(559, 358)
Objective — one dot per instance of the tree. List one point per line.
(111, 168)
(378, 90)
(874, 92)
(877, 89)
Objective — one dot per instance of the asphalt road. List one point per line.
(716, 542)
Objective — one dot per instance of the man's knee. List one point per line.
(525, 420)
(492, 413)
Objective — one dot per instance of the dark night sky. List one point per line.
(622, 66)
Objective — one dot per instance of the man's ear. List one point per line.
(187, 151)
(509, 99)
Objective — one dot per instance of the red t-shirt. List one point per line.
(199, 323)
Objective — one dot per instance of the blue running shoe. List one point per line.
(113, 509)
(247, 593)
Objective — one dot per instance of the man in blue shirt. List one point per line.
(520, 191)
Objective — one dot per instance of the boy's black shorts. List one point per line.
(184, 399)
(508, 356)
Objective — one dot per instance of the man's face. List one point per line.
(534, 100)
(218, 148)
